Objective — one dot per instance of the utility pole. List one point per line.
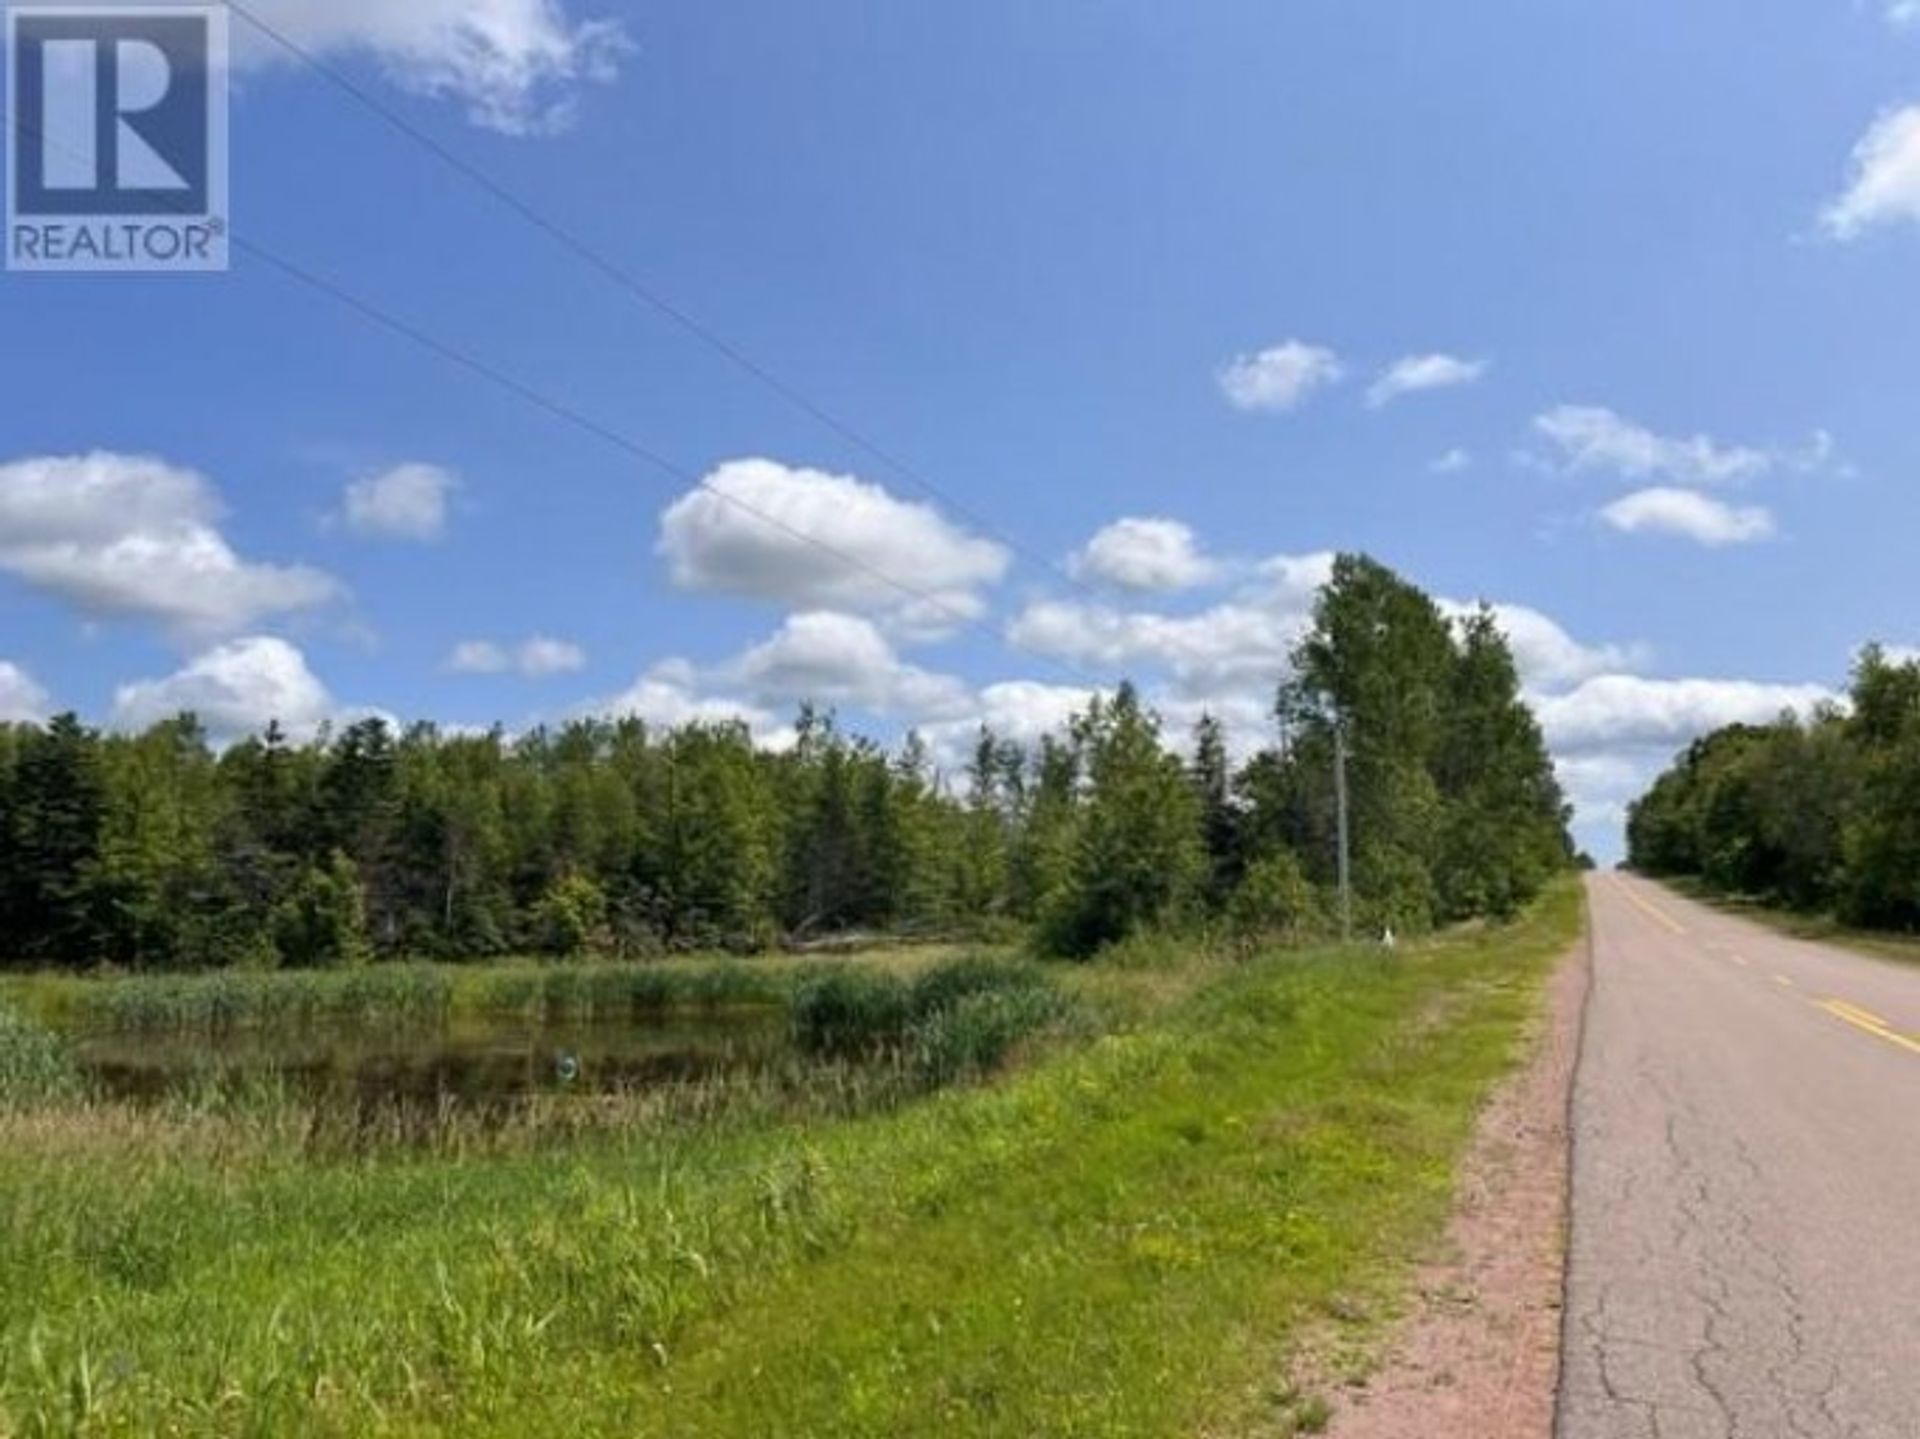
(1340, 800)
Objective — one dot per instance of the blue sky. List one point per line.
(1121, 279)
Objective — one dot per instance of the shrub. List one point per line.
(1273, 901)
(323, 923)
(571, 917)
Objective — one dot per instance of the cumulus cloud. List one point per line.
(670, 694)
(1612, 735)
(1280, 378)
(1689, 515)
(22, 700)
(407, 502)
(1414, 373)
(1544, 653)
(1221, 646)
(236, 689)
(1145, 554)
(1023, 711)
(1884, 185)
(535, 658)
(132, 536)
(1592, 437)
(839, 659)
(808, 540)
(1612, 712)
(516, 65)
(1242, 642)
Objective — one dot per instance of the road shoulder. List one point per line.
(1478, 1355)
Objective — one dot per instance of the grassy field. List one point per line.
(1125, 1235)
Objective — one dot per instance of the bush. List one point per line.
(323, 923)
(1274, 901)
(571, 918)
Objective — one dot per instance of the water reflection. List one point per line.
(476, 1057)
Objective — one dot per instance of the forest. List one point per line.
(157, 851)
(1819, 814)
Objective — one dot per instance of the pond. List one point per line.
(477, 1058)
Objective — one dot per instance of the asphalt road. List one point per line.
(1745, 1247)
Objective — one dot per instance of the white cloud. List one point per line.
(236, 689)
(837, 659)
(22, 700)
(1884, 186)
(407, 502)
(1689, 515)
(1023, 711)
(1903, 12)
(1452, 462)
(669, 695)
(1414, 373)
(479, 657)
(1280, 378)
(535, 658)
(544, 655)
(1612, 735)
(1544, 653)
(1223, 646)
(1243, 643)
(1591, 437)
(857, 538)
(1624, 712)
(515, 64)
(130, 535)
(1145, 554)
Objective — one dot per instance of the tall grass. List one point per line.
(584, 990)
(34, 1066)
(1118, 1240)
(953, 1020)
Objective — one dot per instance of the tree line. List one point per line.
(156, 850)
(1820, 813)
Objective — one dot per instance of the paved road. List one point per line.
(1745, 1252)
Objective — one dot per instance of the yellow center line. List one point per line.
(1854, 1011)
(1868, 1022)
(1651, 910)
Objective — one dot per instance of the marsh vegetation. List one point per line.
(1118, 1222)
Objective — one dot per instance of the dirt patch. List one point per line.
(1478, 1356)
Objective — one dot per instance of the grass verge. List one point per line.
(1797, 924)
(1117, 1240)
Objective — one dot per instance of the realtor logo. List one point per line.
(117, 137)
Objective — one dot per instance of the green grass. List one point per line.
(1798, 924)
(1124, 1237)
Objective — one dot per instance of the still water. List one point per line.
(474, 1057)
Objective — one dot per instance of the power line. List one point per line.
(561, 410)
(636, 289)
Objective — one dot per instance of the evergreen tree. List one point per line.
(1138, 858)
